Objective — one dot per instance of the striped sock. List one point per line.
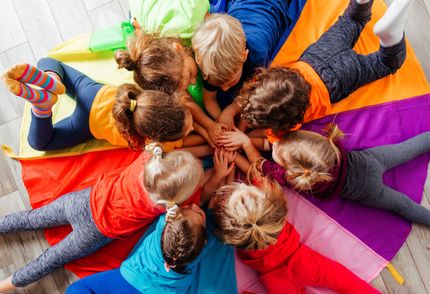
(29, 74)
(41, 99)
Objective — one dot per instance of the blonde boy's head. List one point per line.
(220, 49)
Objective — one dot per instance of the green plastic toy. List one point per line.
(111, 38)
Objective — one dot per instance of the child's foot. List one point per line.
(29, 74)
(390, 27)
(42, 100)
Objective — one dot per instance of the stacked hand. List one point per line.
(233, 140)
(223, 163)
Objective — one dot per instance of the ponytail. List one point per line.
(124, 60)
(250, 217)
(334, 134)
(125, 107)
(155, 63)
(181, 242)
(172, 176)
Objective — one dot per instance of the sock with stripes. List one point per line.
(29, 74)
(41, 99)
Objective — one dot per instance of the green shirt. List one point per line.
(170, 18)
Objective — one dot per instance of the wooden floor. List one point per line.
(28, 28)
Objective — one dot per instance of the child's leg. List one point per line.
(108, 282)
(332, 56)
(389, 28)
(388, 199)
(82, 241)
(340, 36)
(392, 155)
(74, 129)
(51, 215)
(370, 190)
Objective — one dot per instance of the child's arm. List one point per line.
(211, 104)
(233, 140)
(222, 168)
(228, 114)
(199, 151)
(200, 138)
(242, 163)
(213, 128)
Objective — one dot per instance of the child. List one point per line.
(170, 265)
(318, 165)
(125, 115)
(117, 205)
(280, 99)
(254, 221)
(229, 47)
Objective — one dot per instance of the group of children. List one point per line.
(157, 116)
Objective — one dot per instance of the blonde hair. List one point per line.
(308, 157)
(173, 176)
(249, 217)
(219, 44)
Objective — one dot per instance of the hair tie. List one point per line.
(171, 208)
(133, 104)
(155, 151)
(306, 172)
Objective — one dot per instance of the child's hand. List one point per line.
(215, 131)
(233, 140)
(227, 120)
(221, 163)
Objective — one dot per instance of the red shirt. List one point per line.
(119, 203)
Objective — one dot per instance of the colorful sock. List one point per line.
(42, 100)
(29, 74)
(389, 28)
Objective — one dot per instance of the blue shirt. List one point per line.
(263, 22)
(144, 268)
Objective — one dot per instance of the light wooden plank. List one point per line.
(9, 134)
(22, 247)
(107, 15)
(419, 244)
(41, 29)
(379, 284)
(417, 20)
(11, 32)
(404, 263)
(71, 17)
(91, 4)
(11, 105)
(125, 8)
(7, 182)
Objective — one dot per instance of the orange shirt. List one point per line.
(319, 100)
(102, 122)
(119, 203)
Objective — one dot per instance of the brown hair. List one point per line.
(155, 63)
(172, 176)
(308, 157)
(249, 217)
(181, 242)
(156, 115)
(275, 98)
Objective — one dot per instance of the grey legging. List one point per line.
(73, 208)
(341, 68)
(364, 178)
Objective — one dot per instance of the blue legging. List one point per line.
(74, 129)
(109, 282)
